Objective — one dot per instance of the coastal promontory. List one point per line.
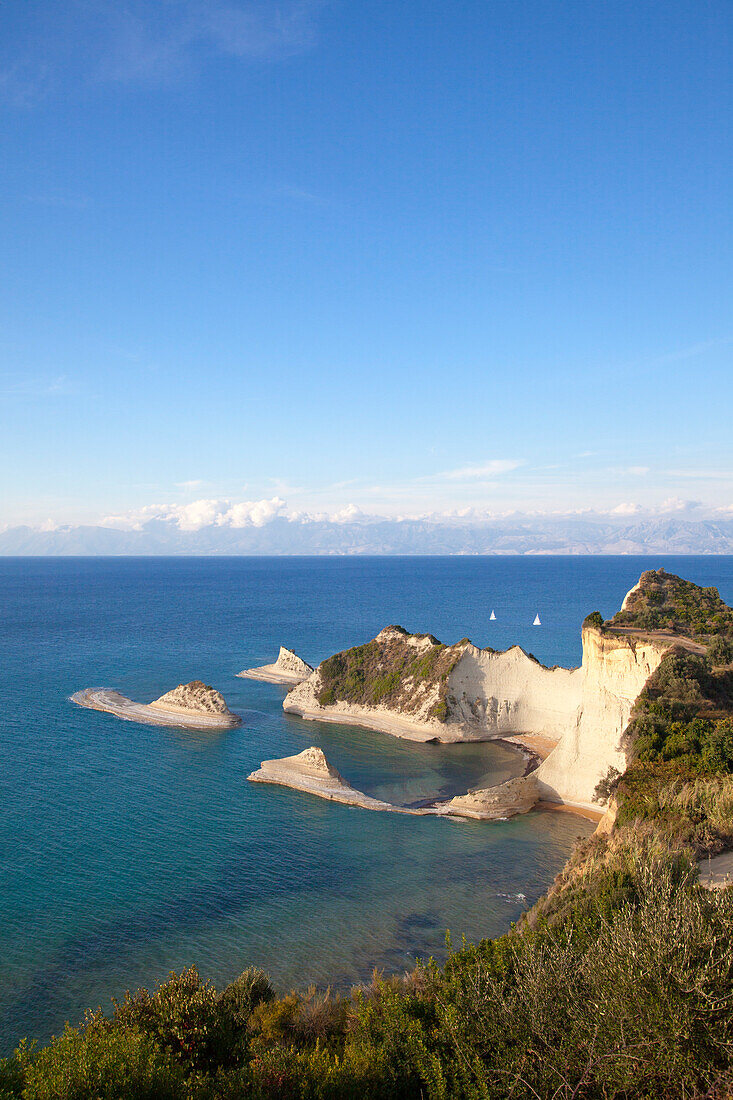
(412, 685)
(195, 705)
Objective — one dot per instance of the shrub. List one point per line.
(664, 601)
(720, 650)
(12, 1077)
(606, 786)
(252, 988)
(229, 1038)
(181, 1015)
(100, 1062)
(639, 1009)
(390, 671)
(693, 811)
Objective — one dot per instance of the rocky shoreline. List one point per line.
(567, 722)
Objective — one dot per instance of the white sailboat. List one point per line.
(492, 615)
(537, 620)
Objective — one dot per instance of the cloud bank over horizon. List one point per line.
(197, 515)
(269, 527)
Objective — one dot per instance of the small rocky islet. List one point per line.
(194, 705)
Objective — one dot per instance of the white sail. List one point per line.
(537, 620)
(492, 615)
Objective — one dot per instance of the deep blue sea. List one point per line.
(129, 850)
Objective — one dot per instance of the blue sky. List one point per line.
(414, 256)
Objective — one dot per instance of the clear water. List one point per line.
(129, 850)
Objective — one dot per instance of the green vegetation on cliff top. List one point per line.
(390, 671)
(664, 601)
(617, 984)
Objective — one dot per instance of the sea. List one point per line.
(128, 851)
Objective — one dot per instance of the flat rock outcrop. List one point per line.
(194, 706)
(516, 796)
(311, 772)
(289, 668)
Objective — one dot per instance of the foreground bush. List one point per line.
(643, 1009)
(619, 985)
(98, 1062)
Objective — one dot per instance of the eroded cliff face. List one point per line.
(287, 661)
(507, 693)
(614, 671)
(412, 686)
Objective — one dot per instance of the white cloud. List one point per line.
(637, 471)
(198, 514)
(676, 504)
(201, 513)
(224, 513)
(347, 514)
(252, 513)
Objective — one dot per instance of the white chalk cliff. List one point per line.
(479, 694)
(289, 668)
(614, 671)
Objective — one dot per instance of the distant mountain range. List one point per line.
(370, 535)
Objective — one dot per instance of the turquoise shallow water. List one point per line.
(127, 850)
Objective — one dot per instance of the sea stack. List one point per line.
(311, 772)
(289, 669)
(196, 697)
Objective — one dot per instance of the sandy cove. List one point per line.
(489, 804)
(113, 702)
(310, 771)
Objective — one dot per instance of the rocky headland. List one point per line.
(413, 686)
(195, 705)
(289, 668)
